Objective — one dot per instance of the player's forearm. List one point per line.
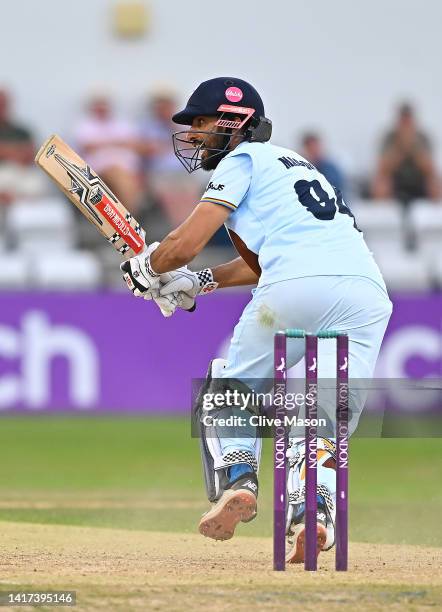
(235, 273)
(173, 252)
(186, 241)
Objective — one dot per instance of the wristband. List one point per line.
(206, 282)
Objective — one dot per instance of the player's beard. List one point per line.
(210, 159)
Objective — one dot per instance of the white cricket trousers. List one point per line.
(356, 305)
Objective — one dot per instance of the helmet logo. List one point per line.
(234, 94)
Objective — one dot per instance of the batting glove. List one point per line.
(138, 273)
(190, 283)
(169, 303)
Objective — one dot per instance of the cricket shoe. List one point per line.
(295, 537)
(237, 504)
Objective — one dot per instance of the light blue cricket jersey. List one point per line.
(287, 213)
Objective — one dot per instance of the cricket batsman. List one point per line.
(299, 243)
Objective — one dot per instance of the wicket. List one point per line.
(280, 447)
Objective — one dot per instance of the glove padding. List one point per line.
(190, 283)
(144, 282)
(138, 273)
(169, 303)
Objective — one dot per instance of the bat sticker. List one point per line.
(91, 195)
(50, 151)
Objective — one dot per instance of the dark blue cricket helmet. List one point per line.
(211, 94)
(240, 110)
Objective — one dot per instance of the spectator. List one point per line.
(107, 143)
(405, 169)
(172, 188)
(18, 177)
(313, 151)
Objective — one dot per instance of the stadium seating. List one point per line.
(425, 222)
(14, 271)
(382, 224)
(436, 271)
(404, 270)
(42, 224)
(41, 238)
(67, 270)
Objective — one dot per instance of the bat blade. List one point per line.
(91, 196)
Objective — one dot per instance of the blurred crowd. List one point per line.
(405, 170)
(136, 159)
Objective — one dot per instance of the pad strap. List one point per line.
(235, 457)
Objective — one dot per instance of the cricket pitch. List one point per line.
(117, 569)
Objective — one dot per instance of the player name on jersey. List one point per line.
(290, 162)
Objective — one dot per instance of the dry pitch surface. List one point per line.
(114, 569)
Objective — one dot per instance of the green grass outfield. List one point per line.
(145, 473)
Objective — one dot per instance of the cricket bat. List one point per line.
(91, 196)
